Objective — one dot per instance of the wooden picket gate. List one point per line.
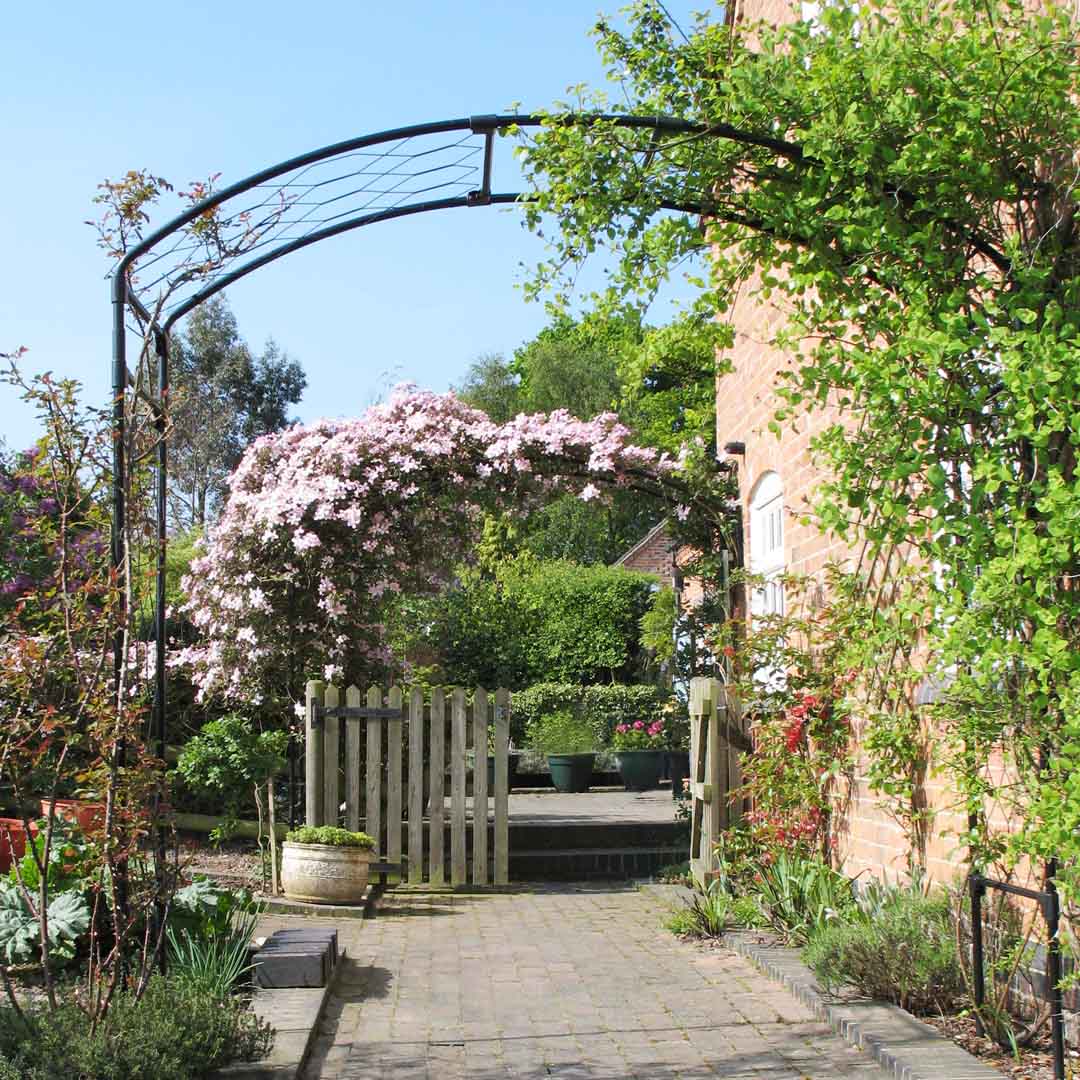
(403, 789)
(717, 733)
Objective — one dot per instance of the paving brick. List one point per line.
(570, 982)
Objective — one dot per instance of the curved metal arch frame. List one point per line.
(124, 296)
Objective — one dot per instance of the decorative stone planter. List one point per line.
(571, 773)
(324, 874)
(640, 769)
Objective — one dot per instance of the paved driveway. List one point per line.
(571, 981)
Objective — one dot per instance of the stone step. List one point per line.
(296, 958)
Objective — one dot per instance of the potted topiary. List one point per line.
(570, 749)
(326, 865)
(640, 751)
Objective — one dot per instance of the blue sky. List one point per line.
(190, 89)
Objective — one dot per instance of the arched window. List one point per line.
(767, 545)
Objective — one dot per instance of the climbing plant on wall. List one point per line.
(910, 201)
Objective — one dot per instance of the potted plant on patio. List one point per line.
(326, 865)
(677, 722)
(570, 747)
(640, 750)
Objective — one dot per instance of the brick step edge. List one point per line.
(293, 1044)
(903, 1046)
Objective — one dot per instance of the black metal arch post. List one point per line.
(296, 203)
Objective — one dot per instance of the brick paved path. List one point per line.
(579, 983)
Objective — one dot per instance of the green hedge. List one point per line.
(540, 621)
(602, 706)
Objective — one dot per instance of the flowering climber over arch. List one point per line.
(326, 522)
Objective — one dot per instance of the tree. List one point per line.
(902, 176)
(223, 399)
(492, 386)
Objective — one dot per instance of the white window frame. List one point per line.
(768, 558)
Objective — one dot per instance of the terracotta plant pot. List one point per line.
(12, 841)
(324, 874)
(89, 816)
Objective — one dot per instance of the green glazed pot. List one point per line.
(640, 769)
(571, 772)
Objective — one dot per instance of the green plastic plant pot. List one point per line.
(571, 772)
(640, 769)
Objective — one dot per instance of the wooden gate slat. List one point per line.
(331, 758)
(373, 794)
(313, 755)
(480, 787)
(416, 786)
(458, 719)
(393, 779)
(502, 787)
(353, 727)
(436, 765)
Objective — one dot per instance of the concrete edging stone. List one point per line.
(901, 1044)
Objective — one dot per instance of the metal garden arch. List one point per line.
(289, 206)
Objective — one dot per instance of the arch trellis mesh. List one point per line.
(335, 189)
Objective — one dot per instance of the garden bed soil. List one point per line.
(1035, 1062)
(235, 864)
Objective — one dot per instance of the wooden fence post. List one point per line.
(393, 780)
(502, 787)
(353, 727)
(331, 757)
(458, 869)
(437, 765)
(416, 786)
(313, 755)
(480, 787)
(373, 793)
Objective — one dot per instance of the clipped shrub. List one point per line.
(540, 620)
(583, 620)
(173, 1032)
(904, 952)
(600, 707)
(561, 732)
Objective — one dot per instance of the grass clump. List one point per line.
(798, 897)
(329, 835)
(706, 915)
